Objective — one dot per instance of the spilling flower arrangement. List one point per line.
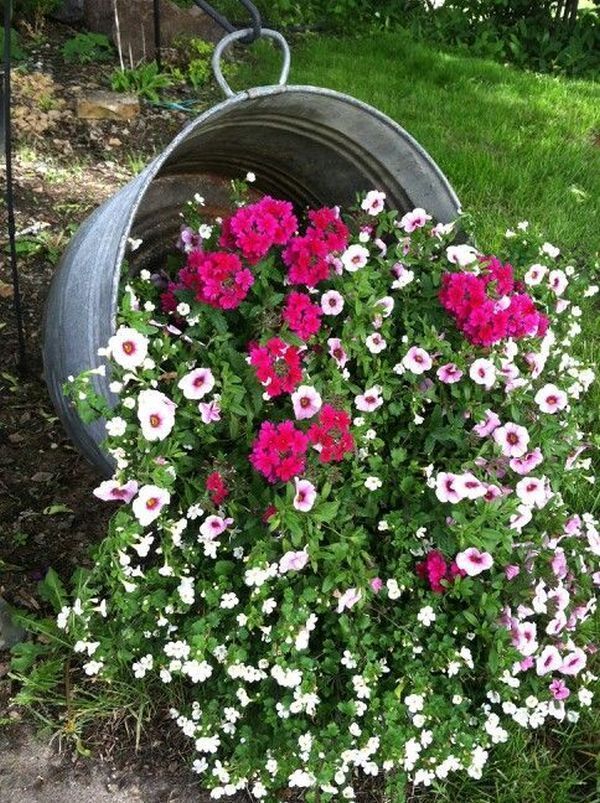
(344, 447)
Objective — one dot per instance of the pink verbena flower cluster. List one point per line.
(302, 315)
(217, 278)
(279, 451)
(277, 365)
(331, 434)
(438, 573)
(309, 257)
(256, 228)
(490, 307)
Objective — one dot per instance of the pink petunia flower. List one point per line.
(521, 518)
(524, 638)
(535, 274)
(483, 372)
(370, 400)
(156, 413)
(445, 488)
(449, 373)
(469, 487)
(112, 491)
(511, 571)
(488, 425)
(213, 526)
(376, 584)
(337, 351)
(551, 399)
(375, 343)
(528, 462)
(149, 502)
(573, 662)
(557, 281)
(548, 661)
(293, 561)
(473, 562)
(348, 599)
(414, 220)
(197, 383)
(417, 360)
(558, 689)
(305, 496)
(210, 411)
(512, 439)
(373, 202)
(128, 347)
(355, 257)
(306, 401)
(461, 255)
(533, 491)
(332, 302)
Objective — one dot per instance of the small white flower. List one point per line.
(373, 483)
(426, 615)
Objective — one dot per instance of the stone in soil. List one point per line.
(102, 105)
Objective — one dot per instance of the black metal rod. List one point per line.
(157, 37)
(10, 201)
(220, 19)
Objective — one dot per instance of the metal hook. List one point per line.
(238, 36)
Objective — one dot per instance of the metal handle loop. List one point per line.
(237, 36)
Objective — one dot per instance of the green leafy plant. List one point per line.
(16, 51)
(144, 80)
(87, 47)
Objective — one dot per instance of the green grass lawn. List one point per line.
(515, 146)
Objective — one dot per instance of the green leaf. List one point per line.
(52, 590)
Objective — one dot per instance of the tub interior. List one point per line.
(304, 145)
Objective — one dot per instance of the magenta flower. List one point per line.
(558, 689)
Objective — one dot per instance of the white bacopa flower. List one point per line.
(142, 666)
(373, 483)
(156, 413)
(229, 600)
(414, 703)
(550, 250)
(149, 502)
(186, 590)
(93, 667)
(355, 257)
(116, 426)
(197, 383)
(426, 616)
(128, 347)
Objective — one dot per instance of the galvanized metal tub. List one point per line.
(310, 145)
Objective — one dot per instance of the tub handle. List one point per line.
(228, 40)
